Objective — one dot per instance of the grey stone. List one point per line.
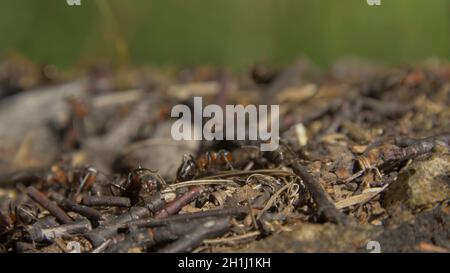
(421, 184)
(26, 140)
(161, 152)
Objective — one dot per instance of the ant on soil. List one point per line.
(205, 163)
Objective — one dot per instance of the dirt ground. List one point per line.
(88, 164)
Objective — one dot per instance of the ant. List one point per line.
(140, 183)
(205, 162)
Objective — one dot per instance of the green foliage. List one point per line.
(234, 33)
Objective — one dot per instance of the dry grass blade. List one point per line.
(173, 187)
(273, 172)
(102, 247)
(360, 198)
(273, 198)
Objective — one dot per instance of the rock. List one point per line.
(35, 108)
(160, 153)
(26, 139)
(309, 237)
(430, 227)
(103, 150)
(422, 184)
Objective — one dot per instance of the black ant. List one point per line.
(141, 182)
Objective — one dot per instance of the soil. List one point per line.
(364, 159)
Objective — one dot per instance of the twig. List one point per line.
(405, 142)
(50, 234)
(70, 205)
(151, 222)
(88, 180)
(154, 202)
(209, 229)
(325, 207)
(146, 238)
(107, 230)
(197, 183)
(52, 207)
(108, 201)
(102, 247)
(412, 149)
(273, 172)
(179, 202)
(354, 176)
(273, 198)
(252, 215)
(427, 247)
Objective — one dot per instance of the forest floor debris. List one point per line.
(361, 159)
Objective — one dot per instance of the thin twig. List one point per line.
(252, 215)
(325, 207)
(273, 172)
(109, 201)
(273, 198)
(152, 222)
(178, 203)
(190, 183)
(354, 176)
(102, 247)
(70, 205)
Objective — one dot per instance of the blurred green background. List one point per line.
(232, 33)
